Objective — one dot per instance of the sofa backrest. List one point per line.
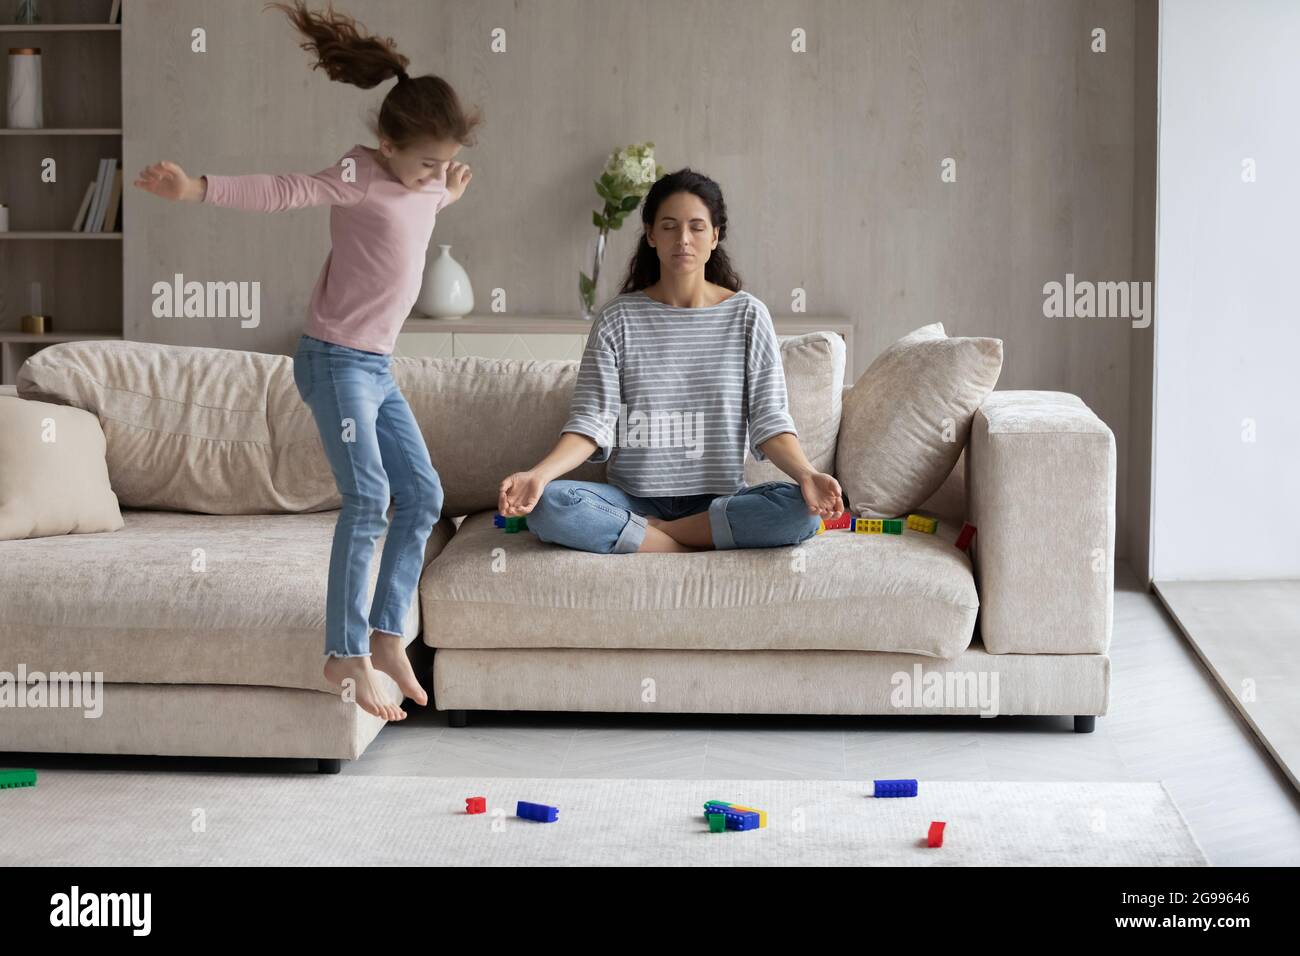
(215, 431)
(219, 431)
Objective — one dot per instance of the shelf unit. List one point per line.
(80, 273)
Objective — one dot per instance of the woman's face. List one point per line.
(423, 162)
(682, 234)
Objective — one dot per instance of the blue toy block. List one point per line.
(538, 812)
(895, 788)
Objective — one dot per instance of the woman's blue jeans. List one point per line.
(594, 516)
(375, 450)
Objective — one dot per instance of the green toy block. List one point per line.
(10, 779)
(892, 526)
(717, 823)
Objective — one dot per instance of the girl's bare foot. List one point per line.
(369, 694)
(389, 656)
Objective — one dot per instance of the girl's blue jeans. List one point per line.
(375, 450)
(594, 516)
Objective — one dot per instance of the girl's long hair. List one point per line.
(415, 108)
(643, 268)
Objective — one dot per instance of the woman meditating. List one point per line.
(681, 370)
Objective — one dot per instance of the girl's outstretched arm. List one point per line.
(258, 192)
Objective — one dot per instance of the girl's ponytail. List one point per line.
(342, 50)
(416, 107)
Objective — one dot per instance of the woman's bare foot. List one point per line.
(365, 685)
(693, 532)
(658, 540)
(389, 656)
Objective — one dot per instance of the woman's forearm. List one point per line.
(569, 452)
(786, 453)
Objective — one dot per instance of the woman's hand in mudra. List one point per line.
(822, 494)
(520, 493)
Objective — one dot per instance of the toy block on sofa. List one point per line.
(539, 812)
(843, 523)
(964, 537)
(476, 804)
(512, 525)
(922, 523)
(935, 836)
(892, 526)
(11, 779)
(895, 788)
(868, 526)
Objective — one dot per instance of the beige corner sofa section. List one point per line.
(226, 662)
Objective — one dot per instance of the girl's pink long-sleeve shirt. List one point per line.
(379, 231)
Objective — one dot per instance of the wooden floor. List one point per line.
(1168, 721)
(1247, 634)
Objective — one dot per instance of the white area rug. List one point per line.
(122, 818)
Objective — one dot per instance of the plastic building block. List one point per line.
(843, 523)
(736, 817)
(717, 822)
(821, 526)
(539, 812)
(868, 526)
(892, 526)
(895, 788)
(713, 805)
(512, 525)
(935, 836)
(476, 804)
(922, 523)
(10, 779)
(964, 537)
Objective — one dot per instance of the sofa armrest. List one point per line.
(1040, 473)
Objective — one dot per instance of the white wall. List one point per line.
(1227, 343)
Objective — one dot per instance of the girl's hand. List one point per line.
(520, 493)
(458, 177)
(169, 181)
(822, 494)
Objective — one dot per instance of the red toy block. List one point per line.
(935, 836)
(964, 538)
(843, 523)
(476, 804)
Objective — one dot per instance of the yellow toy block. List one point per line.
(868, 526)
(922, 523)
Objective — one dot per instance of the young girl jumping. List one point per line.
(383, 205)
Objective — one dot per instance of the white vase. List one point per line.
(446, 292)
(25, 88)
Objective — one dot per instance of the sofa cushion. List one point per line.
(53, 479)
(146, 605)
(910, 593)
(814, 384)
(906, 420)
(216, 431)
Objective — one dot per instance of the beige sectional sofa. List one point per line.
(226, 660)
